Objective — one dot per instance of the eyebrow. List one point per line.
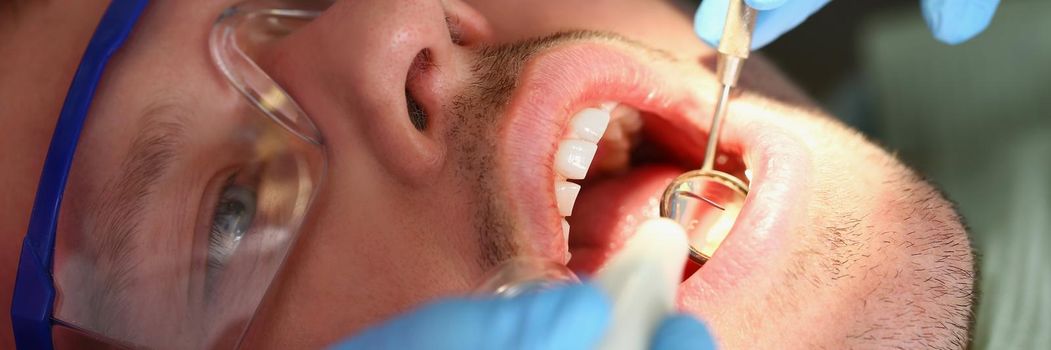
(119, 212)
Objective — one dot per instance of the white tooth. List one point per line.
(608, 106)
(590, 123)
(565, 230)
(566, 193)
(565, 237)
(574, 157)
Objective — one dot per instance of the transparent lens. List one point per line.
(177, 218)
(522, 275)
(706, 204)
(238, 36)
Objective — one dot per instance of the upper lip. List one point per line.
(564, 79)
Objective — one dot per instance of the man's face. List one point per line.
(442, 123)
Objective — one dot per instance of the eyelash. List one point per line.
(232, 218)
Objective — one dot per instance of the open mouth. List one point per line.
(656, 131)
(613, 134)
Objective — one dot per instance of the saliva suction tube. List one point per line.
(641, 280)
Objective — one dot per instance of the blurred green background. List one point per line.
(974, 118)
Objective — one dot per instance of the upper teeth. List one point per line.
(590, 123)
(574, 156)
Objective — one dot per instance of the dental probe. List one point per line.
(734, 48)
(720, 191)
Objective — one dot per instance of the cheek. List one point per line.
(378, 221)
(413, 243)
(370, 238)
(436, 224)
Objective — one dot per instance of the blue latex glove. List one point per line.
(682, 332)
(951, 21)
(571, 317)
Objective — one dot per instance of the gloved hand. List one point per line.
(951, 21)
(570, 317)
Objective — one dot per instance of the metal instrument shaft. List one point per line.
(734, 48)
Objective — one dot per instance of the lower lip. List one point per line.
(774, 209)
(613, 209)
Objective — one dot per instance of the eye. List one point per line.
(234, 212)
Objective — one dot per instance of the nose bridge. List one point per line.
(354, 60)
(349, 68)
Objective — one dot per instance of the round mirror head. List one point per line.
(706, 204)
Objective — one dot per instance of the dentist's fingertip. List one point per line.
(585, 313)
(764, 5)
(770, 25)
(956, 21)
(588, 301)
(709, 20)
(682, 331)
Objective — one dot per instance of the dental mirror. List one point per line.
(705, 202)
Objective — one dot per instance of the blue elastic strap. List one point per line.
(34, 294)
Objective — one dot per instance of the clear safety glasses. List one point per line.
(163, 224)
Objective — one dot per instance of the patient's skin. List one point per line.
(841, 246)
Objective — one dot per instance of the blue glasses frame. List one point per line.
(34, 294)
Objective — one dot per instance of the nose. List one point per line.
(375, 74)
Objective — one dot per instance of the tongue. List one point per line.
(608, 211)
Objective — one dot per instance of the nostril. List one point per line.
(417, 115)
(455, 30)
(420, 65)
(465, 25)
